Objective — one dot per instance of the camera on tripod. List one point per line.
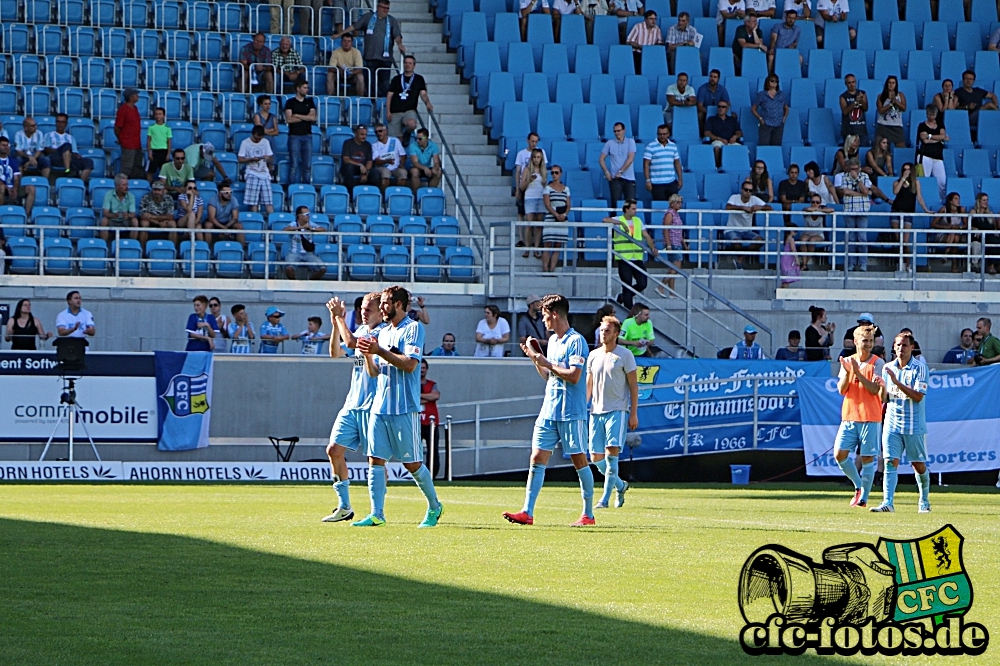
(71, 354)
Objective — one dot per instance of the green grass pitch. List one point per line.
(215, 574)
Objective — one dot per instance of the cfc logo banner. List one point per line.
(187, 395)
(899, 597)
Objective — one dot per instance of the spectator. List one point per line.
(989, 348)
(418, 313)
(792, 352)
(592, 8)
(645, 33)
(680, 34)
(29, 147)
(800, 7)
(267, 120)
(159, 141)
(356, 159)
(281, 17)
(23, 327)
(272, 331)
(790, 266)
(353, 318)
(11, 190)
(831, 11)
(492, 333)
(201, 327)
(763, 8)
(748, 36)
(425, 161)
(555, 233)
(850, 150)
(560, 8)
(527, 7)
(381, 31)
(728, 9)
(722, 129)
(950, 221)
(973, 99)
(820, 184)
(215, 308)
(175, 174)
(946, 99)
(616, 160)
(853, 107)
(792, 190)
(770, 108)
(118, 207)
(401, 100)
(916, 345)
(347, 66)
(907, 193)
(623, 9)
(855, 194)
(302, 249)
(201, 157)
(637, 331)
(520, 163)
(287, 66)
(711, 93)
(534, 177)
(594, 332)
(931, 137)
(625, 237)
(784, 36)
(819, 335)
(984, 221)
(890, 105)
(5, 252)
(661, 166)
(977, 339)
(256, 153)
(864, 319)
(747, 349)
(879, 159)
(190, 210)
(447, 347)
(964, 353)
(679, 94)
(313, 26)
(300, 114)
(240, 331)
(255, 57)
(63, 144)
(763, 188)
(530, 323)
(814, 219)
(994, 41)
(739, 231)
(74, 321)
(312, 338)
(673, 242)
(224, 215)
(429, 395)
(388, 158)
(156, 209)
(128, 128)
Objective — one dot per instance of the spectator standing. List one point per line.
(679, 94)
(680, 34)
(492, 333)
(763, 187)
(949, 221)
(312, 338)
(616, 160)
(419, 313)
(623, 9)
(281, 18)
(353, 318)
(931, 137)
(300, 114)
(23, 327)
(739, 226)
(527, 7)
(201, 157)
(302, 249)
(61, 145)
(530, 323)
(272, 331)
(118, 207)
(224, 215)
(820, 184)
(429, 395)
(864, 319)
(594, 332)
(989, 347)
(175, 174)
(853, 107)
(748, 36)
(257, 67)
(74, 321)
(356, 159)
(190, 210)
(819, 335)
(792, 190)
(722, 129)
(661, 166)
(637, 331)
(288, 66)
(128, 129)
(747, 349)
(790, 264)
(201, 327)
(381, 31)
(555, 233)
(256, 153)
(627, 233)
(711, 93)
(728, 9)
(240, 331)
(793, 352)
(401, 100)
(973, 99)
(814, 217)
(425, 161)
(520, 163)
(29, 147)
(855, 194)
(156, 210)
(11, 190)
(447, 347)
(215, 308)
(890, 105)
(984, 221)
(673, 241)
(784, 35)
(267, 120)
(770, 108)
(646, 33)
(964, 352)
(388, 158)
(534, 177)
(346, 66)
(159, 141)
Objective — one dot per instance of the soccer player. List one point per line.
(350, 429)
(562, 418)
(394, 429)
(905, 423)
(860, 382)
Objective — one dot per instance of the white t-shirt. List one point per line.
(391, 148)
(729, 7)
(523, 4)
(484, 350)
(608, 371)
(260, 149)
(831, 7)
(564, 6)
(797, 7)
(524, 156)
(66, 319)
(760, 5)
(738, 218)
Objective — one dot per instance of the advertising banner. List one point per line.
(184, 392)
(189, 472)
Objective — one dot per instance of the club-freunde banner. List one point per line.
(184, 396)
(720, 405)
(963, 421)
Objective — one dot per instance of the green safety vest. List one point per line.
(625, 243)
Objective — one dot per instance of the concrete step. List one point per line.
(420, 28)
(466, 146)
(432, 53)
(447, 97)
(469, 170)
(442, 79)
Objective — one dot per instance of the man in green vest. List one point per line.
(626, 236)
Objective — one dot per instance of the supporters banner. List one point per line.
(188, 472)
(963, 422)
(720, 407)
(184, 394)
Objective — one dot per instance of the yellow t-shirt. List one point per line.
(342, 58)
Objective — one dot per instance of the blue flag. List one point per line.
(184, 390)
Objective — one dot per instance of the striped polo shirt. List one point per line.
(661, 162)
(902, 414)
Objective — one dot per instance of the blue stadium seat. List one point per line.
(701, 158)
(821, 128)
(253, 226)
(167, 15)
(786, 65)
(983, 12)
(430, 201)
(836, 38)
(755, 65)
(587, 63)
(361, 262)
(161, 255)
(920, 67)
(685, 125)
(71, 12)
(95, 72)
(445, 225)
(461, 264)
(428, 263)
(70, 193)
(583, 124)
(379, 229)
(887, 64)
(302, 195)
(183, 133)
(884, 12)
(934, 37)
(93, 256)
(959, 133)
(650, 117)
(902, 36)
(773, 157)
(555, 61)
(986, 66)
(395, 261)
(968, 39)
(324, 169)
(802, 93)
(976, 163)
(83, 131)
(735, 159)
(367, 200)
(953, 63)
(58, 253)
(413, 229)
(506, 30)
(534, 91)
(514, 122)
(41, 186)
(654, 61)
(229, 254)
(18, 38)
(46, 216)
(989, 129)
(50, 40)
(573, 33)
(178, 45)
(615, 113)
(550, 122)
(721, 58)
(80, 217)
(492, 96)
(539, 34)
(329, 253)
(605, 35)
(262, 259)
(473, 31)
(398, 201)
(991, 187)
(520, 60)
(24, 251)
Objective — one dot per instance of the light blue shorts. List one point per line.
(866, 433)
(895, 443)
(350, 429)
(395, 436)
(607, 430)
(571, 434)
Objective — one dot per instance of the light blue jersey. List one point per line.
(903, 415)
(398, 392)
(310, 345)
(239, 337)
(363, 385)
(565, 401)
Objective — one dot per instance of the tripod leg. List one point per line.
(89, 438)
(45, 451)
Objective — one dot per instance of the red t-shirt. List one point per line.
(129, 124)
(429, 408)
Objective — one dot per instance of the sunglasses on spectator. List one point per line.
(748, 189)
